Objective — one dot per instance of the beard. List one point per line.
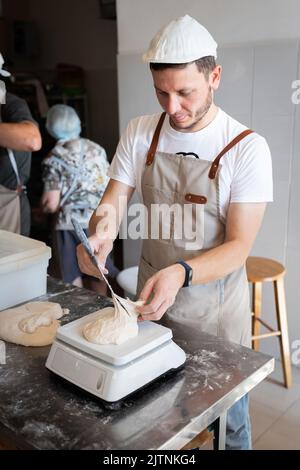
(199, 114)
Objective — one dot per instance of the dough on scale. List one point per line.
(114, 325)
(31, 324)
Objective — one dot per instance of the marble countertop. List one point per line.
(39, 410)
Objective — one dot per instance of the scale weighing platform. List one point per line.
(111, 371)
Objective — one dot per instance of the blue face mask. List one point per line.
(59, 134)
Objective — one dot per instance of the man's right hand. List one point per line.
(101, 249)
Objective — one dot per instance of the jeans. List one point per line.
(238, 427)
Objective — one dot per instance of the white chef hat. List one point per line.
(4, 73)
(182, 40)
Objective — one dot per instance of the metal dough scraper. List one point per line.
(85, 243)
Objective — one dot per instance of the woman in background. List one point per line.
(75, 177)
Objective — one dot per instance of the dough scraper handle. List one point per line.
(83, 239)
(85, 243)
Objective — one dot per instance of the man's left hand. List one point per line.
(163, 288)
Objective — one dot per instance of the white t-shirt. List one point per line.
(246, 173)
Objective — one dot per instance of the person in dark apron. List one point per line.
(19, 136)
(215, 175)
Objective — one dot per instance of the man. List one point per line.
(19, 136)
(198, 158)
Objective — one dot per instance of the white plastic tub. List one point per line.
(23, 268)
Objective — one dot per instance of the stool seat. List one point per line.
(263, 269)
(260, 270)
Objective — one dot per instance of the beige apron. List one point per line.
(10, 204)
(219, 307)
(10, 211)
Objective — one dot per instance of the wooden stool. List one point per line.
(261, 270)
(204, 440)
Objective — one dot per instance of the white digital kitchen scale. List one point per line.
(111, 371)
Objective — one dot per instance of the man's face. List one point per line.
(186, 95)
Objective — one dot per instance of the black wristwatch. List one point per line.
(188, 273)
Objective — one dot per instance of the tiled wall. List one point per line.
(256, 89)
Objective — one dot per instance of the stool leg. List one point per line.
(256, 308)
(283, 327)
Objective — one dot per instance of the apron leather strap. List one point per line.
(215, 164)
(153, 146)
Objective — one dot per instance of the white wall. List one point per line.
(259, 51)
(229, 21)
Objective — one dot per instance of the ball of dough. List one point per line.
(114, 325)
(31, 324)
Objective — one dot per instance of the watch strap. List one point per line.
(188, 273)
